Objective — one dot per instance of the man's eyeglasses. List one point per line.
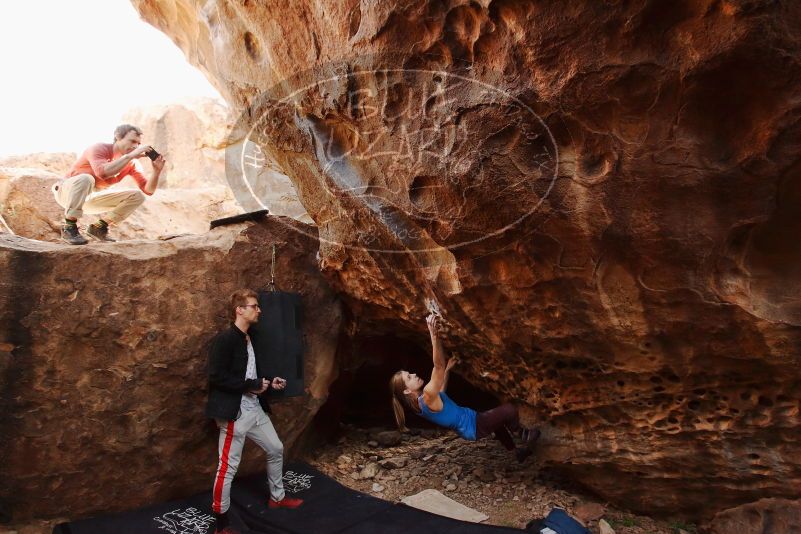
(250, 306)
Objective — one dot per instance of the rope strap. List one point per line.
(272, 271)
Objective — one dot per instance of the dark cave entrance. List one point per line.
(360, 396)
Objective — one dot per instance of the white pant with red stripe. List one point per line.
(253, 424)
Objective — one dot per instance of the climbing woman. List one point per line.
(432, 403)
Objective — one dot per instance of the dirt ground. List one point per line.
(479, 474)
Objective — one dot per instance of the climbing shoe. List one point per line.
(71, 235)
(286, 502)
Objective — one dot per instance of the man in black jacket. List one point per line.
(236, 383)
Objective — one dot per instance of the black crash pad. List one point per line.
(328, 508)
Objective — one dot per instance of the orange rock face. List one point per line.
(103, 354)
(765, 515)
(601, 197)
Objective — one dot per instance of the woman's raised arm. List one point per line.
(438, 374)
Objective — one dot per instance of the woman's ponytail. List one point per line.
(397, 387)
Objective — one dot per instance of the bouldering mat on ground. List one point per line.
(328, 508)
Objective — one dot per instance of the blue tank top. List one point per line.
(453, 416)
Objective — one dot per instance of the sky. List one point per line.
(72, 68)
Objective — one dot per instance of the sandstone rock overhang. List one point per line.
(648, 310)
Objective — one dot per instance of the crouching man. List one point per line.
(236, 384)
(100, 166)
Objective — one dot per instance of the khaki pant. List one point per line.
(77, 195)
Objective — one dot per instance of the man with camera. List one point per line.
(99, 167)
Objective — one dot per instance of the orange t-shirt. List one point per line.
(92, 161)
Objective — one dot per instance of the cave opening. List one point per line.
(360, 396)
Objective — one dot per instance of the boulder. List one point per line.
(103, 354)
(27, 205)
(29, 209)
(57, 163)
(760, 517)
(195, 137)
(191, 134)
(598, 197)
(178, 211)
(200, 182)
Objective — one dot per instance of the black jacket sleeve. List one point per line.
(220, 376)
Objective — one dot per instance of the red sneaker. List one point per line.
(286, 502)
(227, 530)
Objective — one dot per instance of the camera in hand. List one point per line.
(152, 154)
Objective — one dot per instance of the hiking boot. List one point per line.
(286, 502)
(99, 232)
(71, 235)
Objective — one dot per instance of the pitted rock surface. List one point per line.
(627, 268)
(761, 517)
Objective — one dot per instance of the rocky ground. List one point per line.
(479, 474)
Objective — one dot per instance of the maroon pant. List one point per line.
(499, 420)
